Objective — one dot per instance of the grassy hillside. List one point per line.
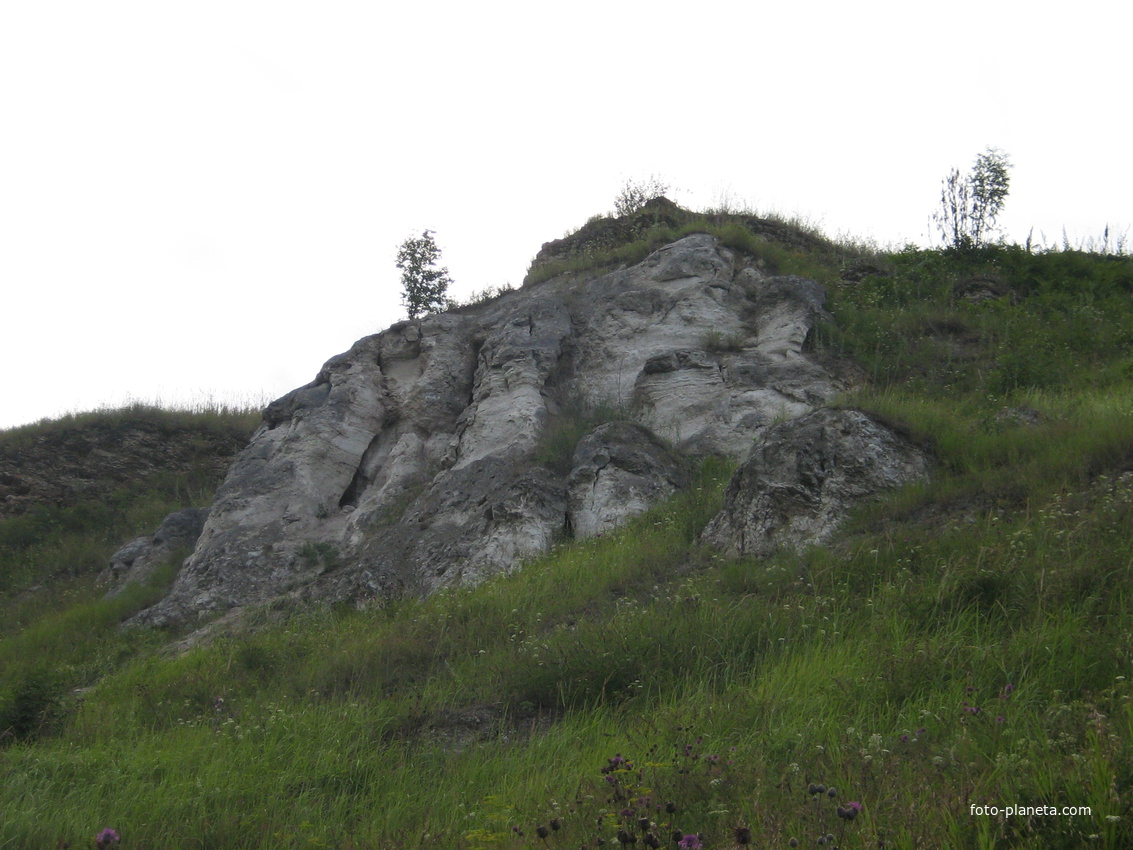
(963, 644)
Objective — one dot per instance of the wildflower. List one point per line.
(625, 838)
(742, 835)
(831, 792)
(615, 763)
(105, 838)
(1000, 718)
(556, 824)
(690, 842)
(850, 810)
(904, 739)
(1007, 689)
(542, 832)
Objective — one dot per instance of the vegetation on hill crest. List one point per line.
(783, 246)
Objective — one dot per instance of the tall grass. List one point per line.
(205, 412)
(780, 246)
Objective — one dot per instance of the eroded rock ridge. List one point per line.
(427, 455)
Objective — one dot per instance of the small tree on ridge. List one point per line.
(424, 285)
(969, 205)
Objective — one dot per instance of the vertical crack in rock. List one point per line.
(362, 477)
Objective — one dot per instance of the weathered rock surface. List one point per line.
(620, 470)
(805, 476)
(138, 559)
(414, 457)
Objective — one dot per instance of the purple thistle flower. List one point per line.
(690, 842)
(105, 838)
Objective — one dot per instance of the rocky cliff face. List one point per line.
(425, 456)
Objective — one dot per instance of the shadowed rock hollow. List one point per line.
(422, 457)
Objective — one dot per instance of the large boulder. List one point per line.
(803, 478)
(619, 470)
(135, 562)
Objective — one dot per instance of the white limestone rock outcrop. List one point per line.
(416, 457)
(803, 478)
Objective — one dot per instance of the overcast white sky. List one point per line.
(204, 199)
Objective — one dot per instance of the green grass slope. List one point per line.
(963, 646)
